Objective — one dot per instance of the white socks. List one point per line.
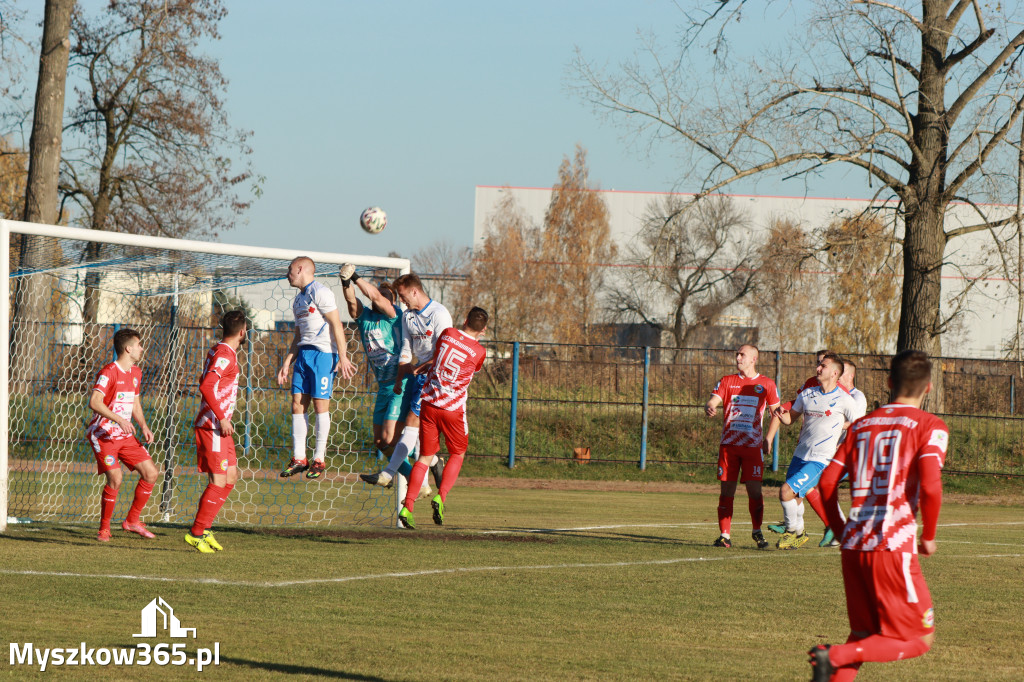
(791, 510)
(406, 445)
(323, 429)
(299, 431)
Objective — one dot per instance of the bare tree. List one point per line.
(786, 300)
(920, 100)
(443, 266)
(686, 267)
(503, 278)
(149, 142)
(864, 285)
(576, 248)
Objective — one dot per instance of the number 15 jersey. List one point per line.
(457, 357)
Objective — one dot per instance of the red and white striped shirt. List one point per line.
(119, 388)
(218, 386)
(456, 358)
(882, 454)
(744, 402)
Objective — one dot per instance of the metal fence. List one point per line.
(644, 405)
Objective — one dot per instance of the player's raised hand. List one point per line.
(346, 273)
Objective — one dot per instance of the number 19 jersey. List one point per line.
(881, 454)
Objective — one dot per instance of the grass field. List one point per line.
(522, 583)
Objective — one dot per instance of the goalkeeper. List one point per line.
(380, 330)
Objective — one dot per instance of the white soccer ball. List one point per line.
(373, 219)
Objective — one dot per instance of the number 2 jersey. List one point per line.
(745, 400)
(882, 454)
(457, 358)
(219, 387)
(119, 388)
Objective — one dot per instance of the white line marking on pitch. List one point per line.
(374, 576)
(700, 524)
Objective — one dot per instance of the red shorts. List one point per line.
(214, 452)
(886, 594)
(435, 422)
(109, 452)
(732, 459)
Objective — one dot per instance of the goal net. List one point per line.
(69, 290)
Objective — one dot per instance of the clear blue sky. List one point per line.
(410, 105)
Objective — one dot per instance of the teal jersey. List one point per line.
(382, 341)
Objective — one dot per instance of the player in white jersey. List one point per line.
(827, 410)
(320, 350)
(846, 381)
(422, 323)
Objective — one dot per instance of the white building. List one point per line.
(990, 315)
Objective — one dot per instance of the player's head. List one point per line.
(746, 357)
(388, 292)
(128, 343)
(233, 323)
(830, 368)
(476, 321)
(410, 289)
(910, 374)
(849, 374)
(301, 271)
(820, 354)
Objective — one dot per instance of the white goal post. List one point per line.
(66, 290)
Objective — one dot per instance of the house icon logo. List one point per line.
(159, 611)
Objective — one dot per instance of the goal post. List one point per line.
(66, 291)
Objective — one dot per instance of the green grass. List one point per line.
(644, 597)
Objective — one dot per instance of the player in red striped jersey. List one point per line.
(457, 357)
(115, 400)
(894, 458)
(215, 443)
(745, 394)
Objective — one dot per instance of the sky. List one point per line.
(410, 105)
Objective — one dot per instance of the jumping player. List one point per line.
(320, 351)
(894, 457)
(422, 323)
(115, 400)
(745, 395)
(459, 355)
(827, 410)
(380, 330)
(215, 443)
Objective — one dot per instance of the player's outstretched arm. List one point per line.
(96, 405)
(344, 366)
(373, 293)
(140, 419)
(355, 306)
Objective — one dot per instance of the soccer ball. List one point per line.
(373, 219)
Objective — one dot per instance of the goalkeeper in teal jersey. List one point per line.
(380, 328)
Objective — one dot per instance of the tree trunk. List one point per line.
(33, 293)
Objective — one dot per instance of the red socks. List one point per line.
(756, 506)
(725, 514)
(813, 498)
(142, 493)
(876, 649)
(209, 504)
(107, 503)
(451, 474)
(419, 472)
